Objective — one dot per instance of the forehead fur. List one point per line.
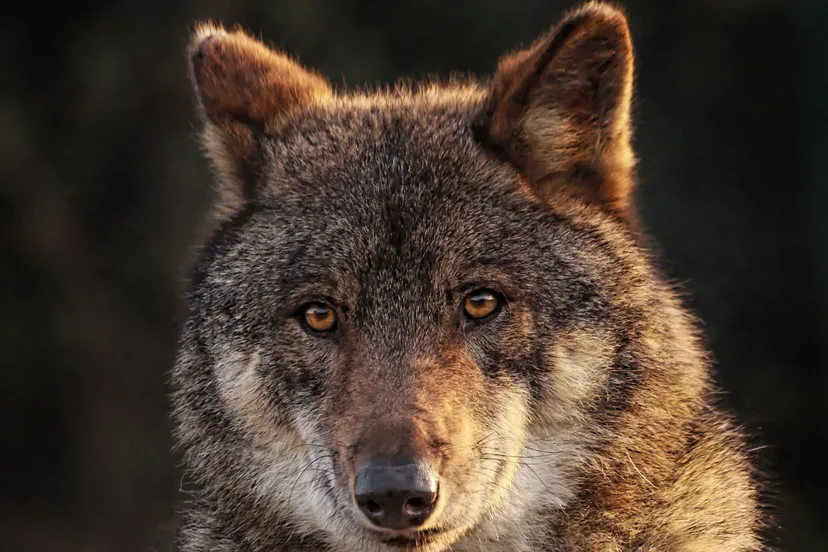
(382, 135)
(399, 177)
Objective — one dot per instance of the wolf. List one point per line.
(426, 318)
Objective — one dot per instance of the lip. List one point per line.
(414, 539)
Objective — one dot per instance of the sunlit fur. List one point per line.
(580, 418)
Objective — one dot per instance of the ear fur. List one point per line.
(244, 89)
(560, 109)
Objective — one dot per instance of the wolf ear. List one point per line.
(560, 110)
(244, 89)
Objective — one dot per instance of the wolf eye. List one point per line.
(481, 304)
(319, 317)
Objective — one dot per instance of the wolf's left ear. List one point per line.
(244, 90)
(560, 109)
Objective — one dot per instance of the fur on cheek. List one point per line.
(286, 469)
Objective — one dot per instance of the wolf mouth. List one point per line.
(415, 540)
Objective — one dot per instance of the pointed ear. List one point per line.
(244, 89)
(560, 110)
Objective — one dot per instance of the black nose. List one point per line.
(396, 496)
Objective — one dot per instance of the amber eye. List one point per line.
(481, 304)
(319, 317)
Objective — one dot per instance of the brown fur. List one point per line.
(580, 418)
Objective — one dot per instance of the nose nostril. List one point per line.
(372, 508)
(419, 506)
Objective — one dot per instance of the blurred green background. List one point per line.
(103, 189)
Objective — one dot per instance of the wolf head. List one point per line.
(419, 313)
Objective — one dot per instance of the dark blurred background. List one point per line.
(103, 191)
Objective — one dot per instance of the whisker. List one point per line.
(299, 476)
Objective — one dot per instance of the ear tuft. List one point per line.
(560, 109)
(238, 77)
(244, 89)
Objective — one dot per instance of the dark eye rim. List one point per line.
(470, 320)
(299, 315)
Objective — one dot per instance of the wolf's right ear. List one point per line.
(244, 90)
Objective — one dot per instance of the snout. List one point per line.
(396, 495)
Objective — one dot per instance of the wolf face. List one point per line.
(424, 313)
